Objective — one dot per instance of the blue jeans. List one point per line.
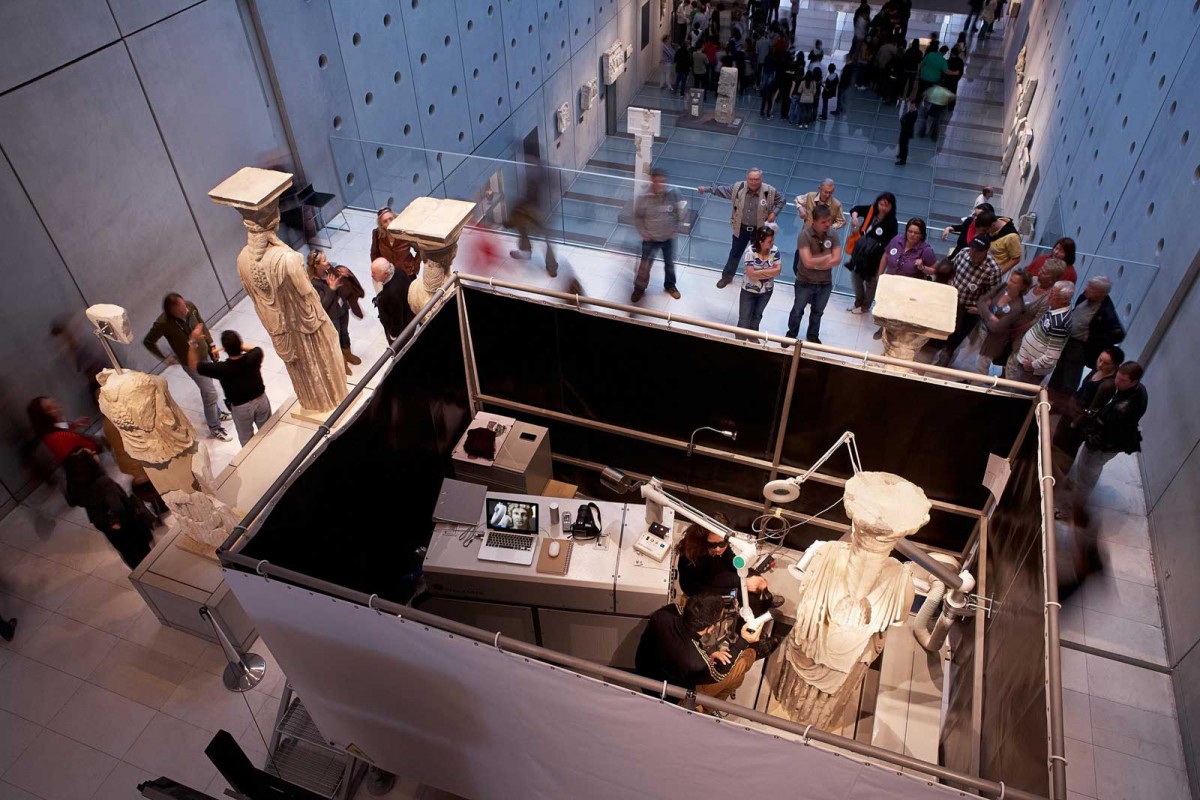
(248, 415)
(642, 279)
(751, 307)
(736, 250)
(208, 395)
(816, 295)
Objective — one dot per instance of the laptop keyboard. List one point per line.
(510, 541)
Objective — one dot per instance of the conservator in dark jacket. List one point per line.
(670, 648)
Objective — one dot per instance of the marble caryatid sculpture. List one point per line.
(204, 522)
(911, 312)
(851, 593)
(435, 225)
(154, 430)
(276, 281)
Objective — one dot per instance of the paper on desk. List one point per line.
(995, 477)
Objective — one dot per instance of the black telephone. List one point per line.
(585, 527)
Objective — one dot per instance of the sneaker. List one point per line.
(900, 163)
(220, 433)
(520, 255)
(638, 294)
(857, 311)
(674, 293)
(225, 416)
(721, 284)
(813, 339)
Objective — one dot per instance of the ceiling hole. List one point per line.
(545, 16)
(577, 31)
(370, 98)
(547, 56)
(1113, 238)
(1153, 56)
(395, 77)
(387, 20)
(1074, 204)
(495, 57)
(391, 201)
(490, 10)
(1144, 35)
(1100, 181)
(470, 24)
(1120, 270)
(1158, 248)
(1119, 96)
(431, 109)
(1128, 310)
(356, 39)
(1078, 231)
(1125, 121)
(1174, 105)
(531, 29)
(424, 58)
(562, 44)
(1162, 81)
(475, 74)
(533, 71)
(1132, 145)
(512, 43)
(454, 90)
(416, 178)
(337, 123)
(1112, 77)
(1095, 154)
(1090, 130)
(1105, 207)
(499, 102)
(1137, 17)
(350, 179)
(414, 3)
(481, 119)
(323, 61)
(446, 41)
(461, 135)
(1184, 139)
(1196, 171)
(379, 152)
(1141, 176)
(518, 86)
(589, 21)
(407, 130)
(1071, 182)
(1150, 210)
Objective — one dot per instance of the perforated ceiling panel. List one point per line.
(522, 44)
(435, 53)
(484, 53)
(374, 49)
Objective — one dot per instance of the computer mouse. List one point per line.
(554, 548)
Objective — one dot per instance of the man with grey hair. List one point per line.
(805, 203)
(754, 204)
(392, 299)
(1043, 343)
(1094, 327)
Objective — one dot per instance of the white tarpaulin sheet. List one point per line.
(481, 723)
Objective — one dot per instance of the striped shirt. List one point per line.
(1044, 342)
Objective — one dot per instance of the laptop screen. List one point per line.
(514, 516)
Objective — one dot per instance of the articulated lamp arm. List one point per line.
(786, 490)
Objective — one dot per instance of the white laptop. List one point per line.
(512, 531)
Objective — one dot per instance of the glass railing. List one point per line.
(594, 209)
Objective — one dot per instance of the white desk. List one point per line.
(596, 611)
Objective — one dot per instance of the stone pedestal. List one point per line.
(435, 225)
(644, 125)
(727, 85)
(911, 312)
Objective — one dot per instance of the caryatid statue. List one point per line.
(851, 593)
(277, 282)
(435, 226)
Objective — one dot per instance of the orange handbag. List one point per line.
(853, 238)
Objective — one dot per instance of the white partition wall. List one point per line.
(482, 723)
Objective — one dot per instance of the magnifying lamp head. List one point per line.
(784, 490)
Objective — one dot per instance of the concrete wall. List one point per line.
(115, 120)
(1116, 123)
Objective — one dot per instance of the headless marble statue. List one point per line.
(205, 522)
(851, 592)
(154, 430)
(276, 281)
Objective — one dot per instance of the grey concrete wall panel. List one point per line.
(628, 19)
(1187, 701)
(434, 51)
(204, 53)
(1177, 552)
(86, 148)
(582, 19)
(559, 88)
(1172, 425)
(302, 46)
(521, 20)
(33, 365)
(589, 125)
(133, 15)
(484, 51)
(555, 33)
(37, 36)
(382, 92)
(606, 12)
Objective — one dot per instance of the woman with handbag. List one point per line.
(122, 519)
(874, 226)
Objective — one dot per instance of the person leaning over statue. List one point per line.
(179, 318)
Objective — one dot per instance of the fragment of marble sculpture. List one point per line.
(204, 522)
(276, 281)
(154, 430)
(850, 594)
(434, 270)
(434, 226)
